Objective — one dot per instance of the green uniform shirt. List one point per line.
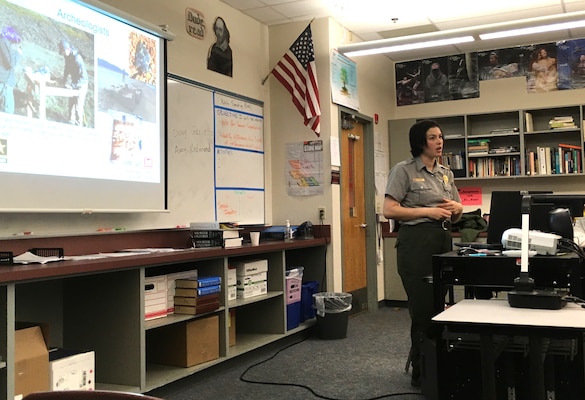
(412, 185)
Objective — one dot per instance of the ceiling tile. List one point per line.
(243, 4)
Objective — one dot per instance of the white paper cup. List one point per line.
(255, 238)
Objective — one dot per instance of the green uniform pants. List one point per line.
(415, 248)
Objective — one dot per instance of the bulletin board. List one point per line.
(215, 154)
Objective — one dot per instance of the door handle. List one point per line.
(363, 226)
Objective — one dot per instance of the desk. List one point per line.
(558, 272)
(541, 335)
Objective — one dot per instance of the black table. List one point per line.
(494, 346)
(559, 272)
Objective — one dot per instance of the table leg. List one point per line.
(536, 368)
(488, 371)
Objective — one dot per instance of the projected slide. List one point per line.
(80, 94)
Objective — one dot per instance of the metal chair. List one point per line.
(87, 395)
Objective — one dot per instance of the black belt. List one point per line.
(444, 224)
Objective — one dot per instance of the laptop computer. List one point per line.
(505, 213)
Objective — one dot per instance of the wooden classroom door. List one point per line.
(353, 210)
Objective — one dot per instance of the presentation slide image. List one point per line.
(46, 79)
(129, 87)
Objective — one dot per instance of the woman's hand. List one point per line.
(455, 209)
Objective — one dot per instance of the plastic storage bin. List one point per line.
(332, 310)
(307, 291)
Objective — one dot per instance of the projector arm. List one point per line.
(524, 295)
(524, 282)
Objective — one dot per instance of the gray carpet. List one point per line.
(367, 364)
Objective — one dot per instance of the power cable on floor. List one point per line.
(307, 387)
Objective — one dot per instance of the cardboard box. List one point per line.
(31, 366)
(244, 280)
(251, 290)
(232, 292)
(251, 267)
(71, 370)
(155, 297)
(184, 344)
(231, 276)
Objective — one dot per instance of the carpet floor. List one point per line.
(368, 364)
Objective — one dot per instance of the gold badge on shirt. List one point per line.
(445, 179)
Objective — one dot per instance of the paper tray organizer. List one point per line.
(7, 257)
(47, 251)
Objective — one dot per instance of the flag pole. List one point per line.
(268, 76)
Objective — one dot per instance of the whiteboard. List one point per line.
(215, 154)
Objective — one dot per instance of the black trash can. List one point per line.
(332, 312)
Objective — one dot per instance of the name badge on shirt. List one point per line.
(418, 179)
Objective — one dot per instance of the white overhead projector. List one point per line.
(542, 243)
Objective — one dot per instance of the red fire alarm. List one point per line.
(375, 118)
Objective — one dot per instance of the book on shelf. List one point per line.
(196, 292)
(531, 163)
(548, 160)
(563, 118)
(570, 146)
(193, 301)
(529, 121)
(232, 242)
(202, 291)
(562, 122)
(478, 142)
(503, 150)
(198, 282)
(187, 282)
(204, 225)
(504, 130)
(478, 148)
(541, 160)
(184, 301)
(207, 243)
(204, 281)
(214, 233)
(198, 309)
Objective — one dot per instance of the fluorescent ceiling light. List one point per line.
(410, 46)
(532, 30)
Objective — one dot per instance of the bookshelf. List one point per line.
(512, 144)
(99, 304)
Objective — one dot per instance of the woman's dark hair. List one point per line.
(418, 136)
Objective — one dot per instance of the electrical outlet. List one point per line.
(321, 213)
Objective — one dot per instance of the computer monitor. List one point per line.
(506, 212)
(554, 212)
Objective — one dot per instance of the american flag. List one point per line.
(298, 74)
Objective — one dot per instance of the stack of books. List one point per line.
(226, 238)
(197, 295)
(504, 131)
(563, 122)
(478, 147)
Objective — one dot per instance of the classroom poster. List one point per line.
(304, 168)
(344, 81)
(409, 88)
(571, 64)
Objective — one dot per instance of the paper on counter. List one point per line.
(30, 258)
